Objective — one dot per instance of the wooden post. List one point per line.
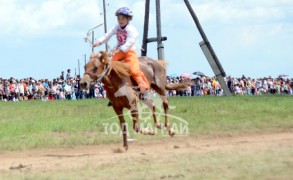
(78, 67)
(93, 40)
(146, 28)
(209, 52)
(105, 22)
(159, 39)
(159, 32)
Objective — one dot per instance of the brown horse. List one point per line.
(121, 89)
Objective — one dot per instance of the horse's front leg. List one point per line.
(123, 126)
(136, 125)
(134, 114)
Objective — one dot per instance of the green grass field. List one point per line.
(29, 126)
(34, 125)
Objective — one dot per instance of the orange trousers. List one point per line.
(130, 57)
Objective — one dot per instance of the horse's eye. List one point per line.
(95, 69)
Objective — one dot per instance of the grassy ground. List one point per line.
(33, 125)
(40, 125)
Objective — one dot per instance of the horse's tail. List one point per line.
(178, 87)
(162, 63)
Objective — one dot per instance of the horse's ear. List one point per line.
(104, 57)
(94, 55)
(103, 54)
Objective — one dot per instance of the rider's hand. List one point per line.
(115, 51)
(96, 44)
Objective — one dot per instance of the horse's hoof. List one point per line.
(167, 125)
(126, 148)
(137, 130)
(142, 131)
(159, 125)
(151, 132)
(147, 132)
(171, 132)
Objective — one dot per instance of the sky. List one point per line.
(41, 38)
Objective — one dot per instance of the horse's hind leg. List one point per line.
(162, 93)
(123, 126)
(150, 103)
(167, 122)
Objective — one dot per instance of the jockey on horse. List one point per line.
(126, 35)
(118, 75)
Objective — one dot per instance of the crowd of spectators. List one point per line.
(202, 86)
(68, 88)
(60, 88)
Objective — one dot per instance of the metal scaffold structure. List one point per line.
(204, 44)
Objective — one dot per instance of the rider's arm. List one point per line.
(107, 36)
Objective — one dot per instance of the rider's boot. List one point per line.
(142, 83)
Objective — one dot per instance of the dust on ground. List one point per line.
(74, 158)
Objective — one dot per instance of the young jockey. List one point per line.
(126, 35)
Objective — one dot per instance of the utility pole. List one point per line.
(160, 44)
(93, 40)
(146, 28)
(159, 39)
(105, 22)
(205, 44)
(78, 67)
(210, 53)
(84, 59)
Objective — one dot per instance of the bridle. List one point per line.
(100, 76)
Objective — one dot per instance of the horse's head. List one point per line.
(94, 68)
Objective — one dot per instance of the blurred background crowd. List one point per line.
(66, 87)
(202, 86)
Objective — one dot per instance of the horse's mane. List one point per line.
(121, 68)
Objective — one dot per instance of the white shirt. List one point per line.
(21, 88)
(265, 84)
(238, 90)
(16, 88)
(54, 89)
(30, 89)
(67, 88)
(125, 37)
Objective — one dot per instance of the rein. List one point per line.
(100, 76)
